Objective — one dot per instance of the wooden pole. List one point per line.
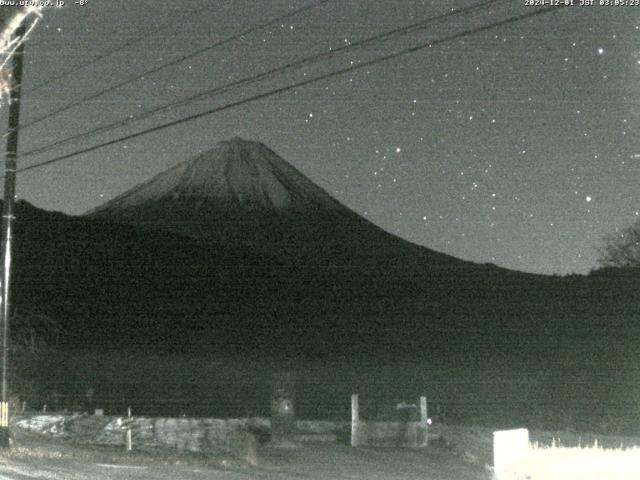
(355, 421)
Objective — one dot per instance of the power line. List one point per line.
(118, 49)
(298, 63)
(296, 85)
(172, 63)
(124, 46)
(277, 91)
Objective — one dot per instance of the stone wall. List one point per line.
(182, 434)
(409, 434)
(209, 434)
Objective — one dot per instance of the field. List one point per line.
(462, 453)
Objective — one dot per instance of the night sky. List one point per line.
(515, 145)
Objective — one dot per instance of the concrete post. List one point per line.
(129, 436)
(355, 421)
(424, 420)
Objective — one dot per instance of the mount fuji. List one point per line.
(237, 174)
(307, 253)
(241, 192)
(238, 244)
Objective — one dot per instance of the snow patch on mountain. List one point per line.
(237, 174)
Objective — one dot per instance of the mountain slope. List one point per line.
(111, 283)
(324, 258)
(237, 250)
(241, 192)
(242, 184)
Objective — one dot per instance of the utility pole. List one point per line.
(15, 82)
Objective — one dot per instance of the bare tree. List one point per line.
(622, 249)
(33, 331)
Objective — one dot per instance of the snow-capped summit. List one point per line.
(238, 174)
(240, 191)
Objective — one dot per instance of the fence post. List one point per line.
(129, 439)
(355, 421)
(283, 420)
(424, 420)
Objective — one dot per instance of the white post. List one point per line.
(355, 421)
(424, 420)
(129, 439)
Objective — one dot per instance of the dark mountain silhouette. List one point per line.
(242, 193)
(238, 251)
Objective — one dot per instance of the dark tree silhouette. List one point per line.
(622, 249)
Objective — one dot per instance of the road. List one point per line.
(326, 462)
